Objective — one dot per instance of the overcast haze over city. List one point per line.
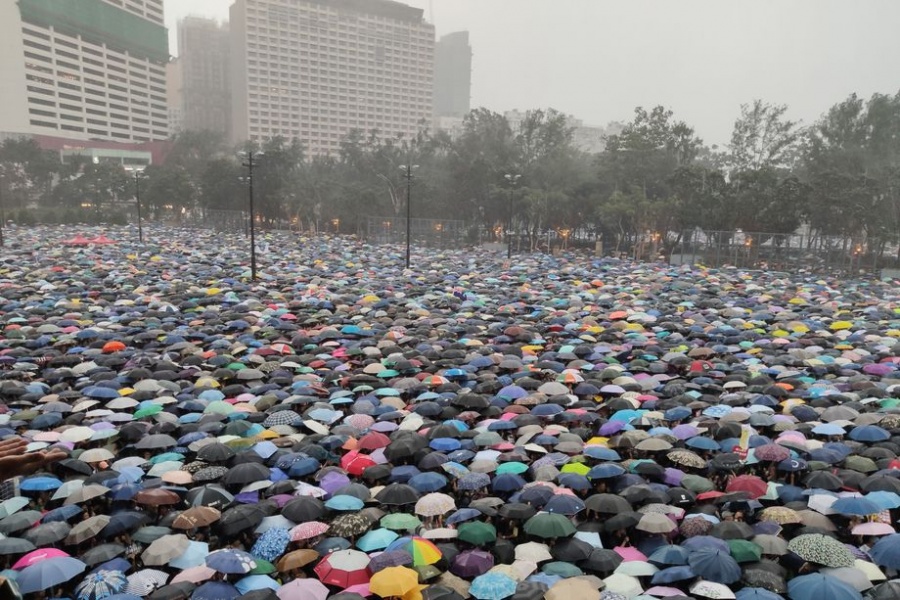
(702, 58)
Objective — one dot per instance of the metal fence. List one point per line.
(774, 251)
(428, 233)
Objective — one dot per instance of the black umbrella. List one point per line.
(607, 504)
(13, 545)
(823, 480)
(405, 447)
(243, 474)
(622, 520)
(732, 530)
(530, 590)
(571, 550)
(517, 511)
(215, 453)
(889, 590)
(19, 521)
(122, 522)
(48, 533)
(101, 554)
(174, 591)
(397, 494)
(441, 592)
(210, 495)
(262, 594)
(601, 560)
(240, 518)
(304, 508)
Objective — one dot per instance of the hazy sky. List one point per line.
(598, 59)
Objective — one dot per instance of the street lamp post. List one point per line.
(513, 179)
(408, 176)
(138, 173)
(249, 164)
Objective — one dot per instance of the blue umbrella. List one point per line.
(821, 587)
(507, 482)
(699, 542)
(445, 444)
(669, 555)
(855, 506)
(63, 513)
(757, 594)
(492, 586)
(702, 443)
(39, 484)
(869, 433)
(256, 582)
(886, 500)
(473, 481)
(672, 575)
(376, 539)
(886, 551)
(462, 515)
(344, 503)
(194, 556)
(574, 481)
(48, 573)
(428, 482)
(564, 504)
(231, 561)
(601, 453)
(215, 590)
(101, 584)
(605, 471)
(271, 544)
(715, 565)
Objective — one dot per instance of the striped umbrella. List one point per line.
(101, 584)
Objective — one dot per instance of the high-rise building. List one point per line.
(84, 69)
(199, 79)
(315, 69)
(452, 75)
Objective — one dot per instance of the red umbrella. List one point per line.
(751, 484)
(373, 441)
(355, 463)
(102, 239)
(157, 497)
(78, 240)
(344, 568)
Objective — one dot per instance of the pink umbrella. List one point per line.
(309, 589)
(196, 574)
(361, 588)
(870, 528)
(628, 553)
(37, 556)
(305, 531)
(661, 591)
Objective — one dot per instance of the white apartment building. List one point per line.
(316, 69)
(84, 69)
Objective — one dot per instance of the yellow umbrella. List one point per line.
(394, 581)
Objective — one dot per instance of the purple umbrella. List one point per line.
(333, 481)
(472, 563)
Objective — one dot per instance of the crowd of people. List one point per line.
(549, 427)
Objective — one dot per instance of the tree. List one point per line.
(166, 188)
(763, 138)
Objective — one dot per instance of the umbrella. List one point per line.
(196, 516)
(816, 586)
(477, 533)
(435, 504)
(422, 551)
(350, 525)
(162, 550)
(297, 559)
(49, 573)
(821, 549)
(146, 581)
(393, 581)
(710, 589)
(215, 590)
(101, 584)
(492, 586)
(231, 561)
(886, 551)
(472, 563)
(344, 568)
(714, 565)
(549, 525)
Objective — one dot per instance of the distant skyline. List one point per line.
(598, 59)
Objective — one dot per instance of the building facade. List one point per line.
(315, 69)
(84, 69)
(452, 75)
(200, 88)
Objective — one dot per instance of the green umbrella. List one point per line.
(860, 464)
(400, 522)
(697, 484)
(744, 551)
(263, 567)
(477, 533)
(149, 534)
(148, 411)
(165, 457)
(549, 525)
(561, 569)
(514, 467)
